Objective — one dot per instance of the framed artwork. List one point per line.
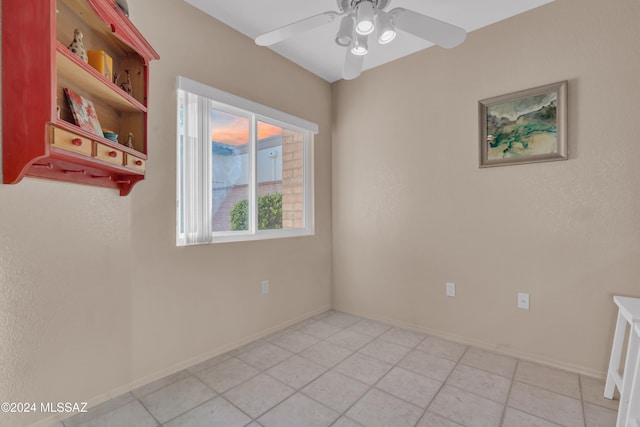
(524, 127)
(84, 113)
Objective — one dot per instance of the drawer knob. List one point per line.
(77, 142)
(138, 162)
(113, 154)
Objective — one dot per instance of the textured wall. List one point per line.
(192, 301)
(412, 210)
(65, 281)
(94, 295)
(65, 285)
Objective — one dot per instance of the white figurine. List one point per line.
(129, 142)
(77, 46)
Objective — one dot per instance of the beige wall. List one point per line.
(190, 301)
(95, 297)
(65, 285)
(412, 210)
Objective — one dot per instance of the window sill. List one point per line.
(248, 237)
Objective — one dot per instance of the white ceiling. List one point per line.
(316, 49)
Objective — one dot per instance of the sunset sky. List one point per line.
(234, 130)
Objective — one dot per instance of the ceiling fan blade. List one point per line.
(352, 65)
(289, 30)
(430, 29)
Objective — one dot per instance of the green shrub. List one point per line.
(239, 216)
(269, 213)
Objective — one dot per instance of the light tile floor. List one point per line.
(340, 370)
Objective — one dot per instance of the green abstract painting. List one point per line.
(524, 127)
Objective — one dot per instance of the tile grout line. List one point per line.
(158, 423)
(442, 386)
(64, 422)
(531, 385)
(353, 352)
(506, 404)
(344, 413)
(299, 389)
(371, 387)
(252, 346)
(537, 415)
(325, 369)
(580, 401)
(223, 398)
(599, 404)
(549, 389)
(221, 394)
(330, 369)
(216, 394)
(181, 414)
(584, 410)
(426, 408)
(264, 371)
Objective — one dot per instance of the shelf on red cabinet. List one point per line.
(88, 78)
(118, 24)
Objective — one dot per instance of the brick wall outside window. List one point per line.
(292, 180)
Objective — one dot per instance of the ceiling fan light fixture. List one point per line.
(360, 46)
(364, 18)
(386, 31)
(345, 33)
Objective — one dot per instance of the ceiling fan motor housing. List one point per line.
(348, 5)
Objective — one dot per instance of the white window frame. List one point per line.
(236, 105)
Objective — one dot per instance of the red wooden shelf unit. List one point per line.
(40, 137)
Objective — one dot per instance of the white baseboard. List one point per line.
(49, 421)
(480, 344)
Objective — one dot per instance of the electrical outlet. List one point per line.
(451, 289)
(523, 301)
(265, 287)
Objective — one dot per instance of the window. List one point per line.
(244, 170)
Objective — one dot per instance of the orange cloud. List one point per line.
(230, 136)
(236, 131)
(265, 130)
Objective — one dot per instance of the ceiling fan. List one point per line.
(360, 18)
